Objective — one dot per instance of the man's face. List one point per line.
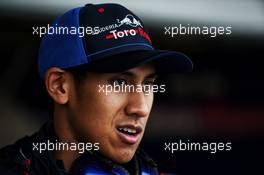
(115, 120)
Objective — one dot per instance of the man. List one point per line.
(81, 75)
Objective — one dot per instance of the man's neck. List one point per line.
(67, 157)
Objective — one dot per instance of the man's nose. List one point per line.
(137, 105)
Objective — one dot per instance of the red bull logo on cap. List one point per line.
(130, 20)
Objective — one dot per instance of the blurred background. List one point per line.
(221, 101)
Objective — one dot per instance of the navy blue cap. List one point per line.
(104, 38)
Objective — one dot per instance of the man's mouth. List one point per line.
(129, 134)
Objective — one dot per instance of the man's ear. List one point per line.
(57, 85)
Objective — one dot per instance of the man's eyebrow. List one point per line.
(131, 74)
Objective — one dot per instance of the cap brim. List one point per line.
(164, 62)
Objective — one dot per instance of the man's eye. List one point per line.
(120, 82)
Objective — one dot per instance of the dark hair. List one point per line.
(79, 73)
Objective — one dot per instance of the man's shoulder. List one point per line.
(11, 159)
(19, 157)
